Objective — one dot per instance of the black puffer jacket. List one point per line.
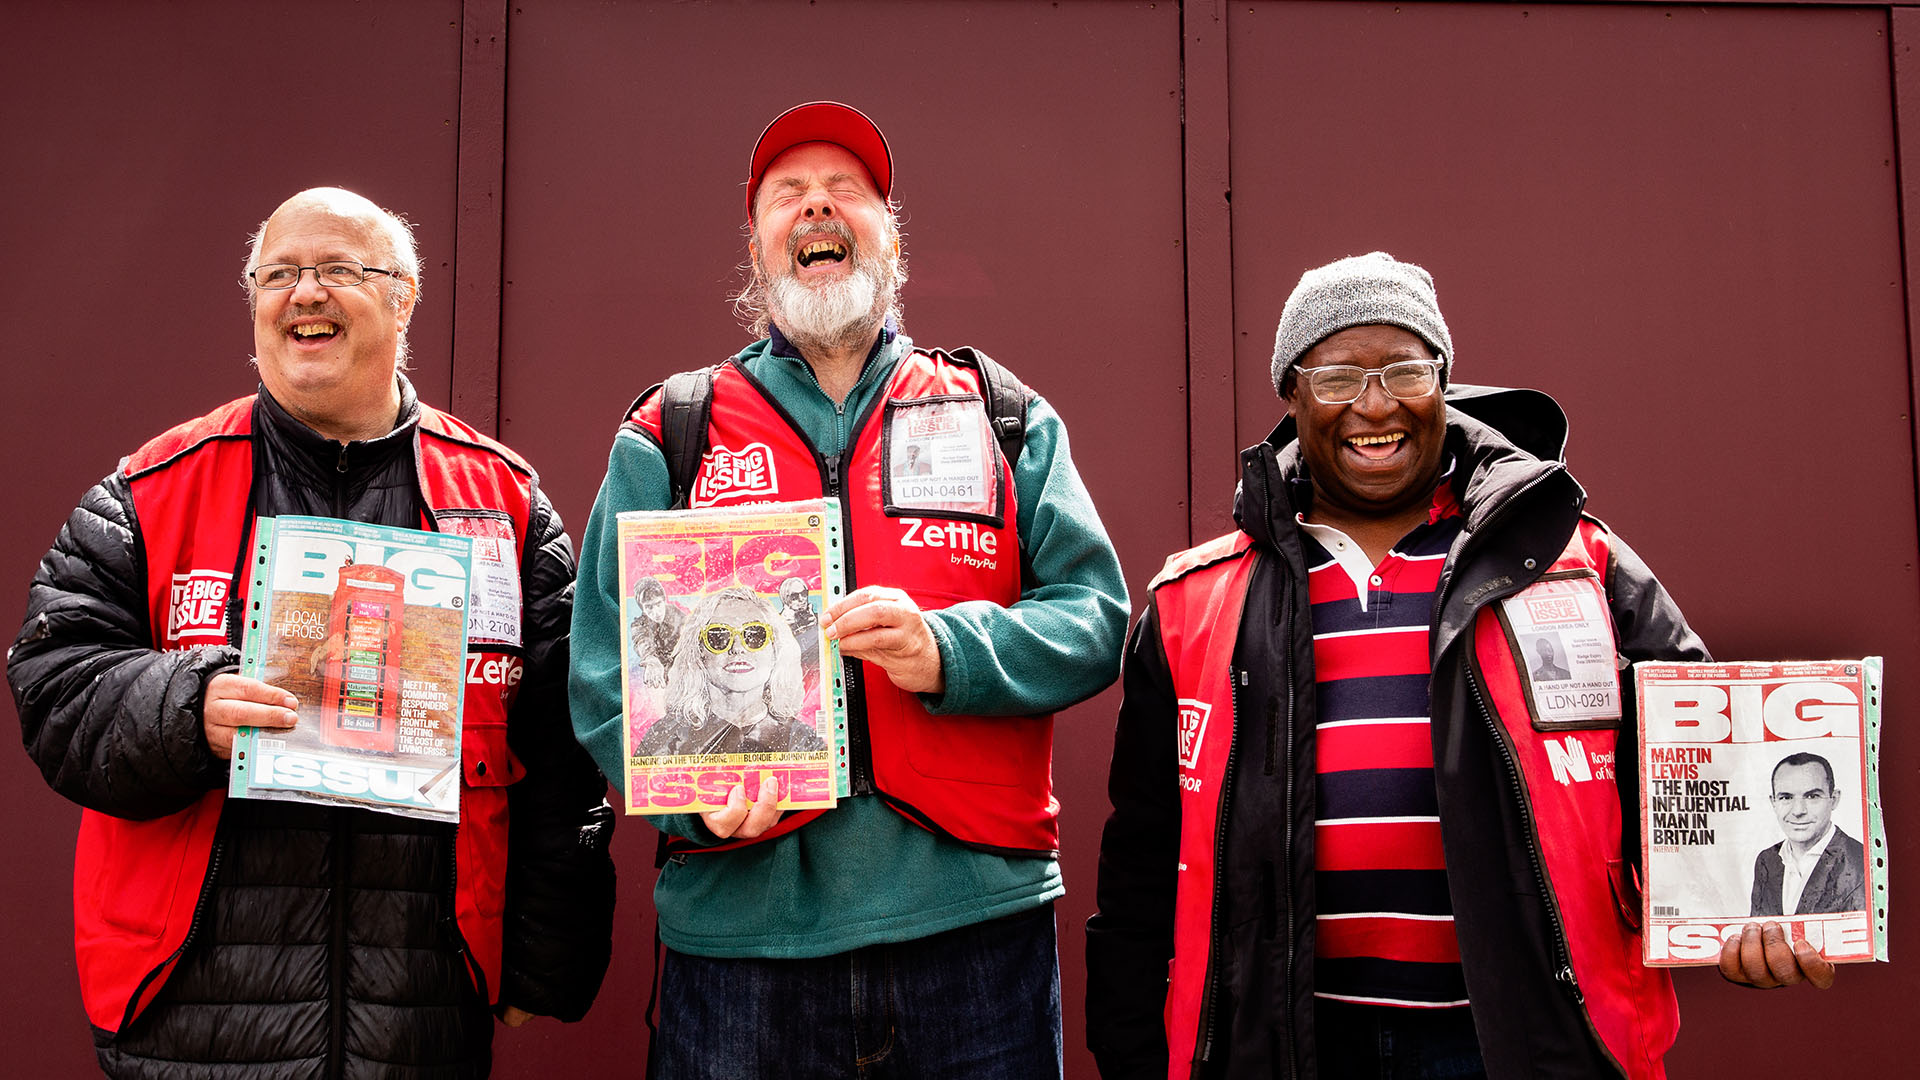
(325, 943)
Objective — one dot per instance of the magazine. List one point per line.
(367, 626)
(727, 677)
(1760, 800)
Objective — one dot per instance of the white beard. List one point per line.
(831, 315)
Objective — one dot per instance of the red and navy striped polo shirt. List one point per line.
(1385, 928)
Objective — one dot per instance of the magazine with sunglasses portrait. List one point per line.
(727, 677)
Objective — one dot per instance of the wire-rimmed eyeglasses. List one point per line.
(1342, 384)
(334, 274)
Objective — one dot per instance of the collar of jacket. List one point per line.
(320, 458)
(779, 345)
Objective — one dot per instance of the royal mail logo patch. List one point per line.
(1193, 728)
(1573, 763)
(197, 607)
(729, 475)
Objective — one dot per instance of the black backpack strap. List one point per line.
(686, 402)
(1006, 396)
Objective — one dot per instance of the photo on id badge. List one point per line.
(941, 460)
(1543, 653)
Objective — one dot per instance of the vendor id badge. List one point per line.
(1562, 640)
(940, 460)
(493, 607)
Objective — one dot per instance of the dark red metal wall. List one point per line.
(1686, 223)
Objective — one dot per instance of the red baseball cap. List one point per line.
(823, 121)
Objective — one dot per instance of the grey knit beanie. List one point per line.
(1358, 291)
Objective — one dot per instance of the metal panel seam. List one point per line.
(479, 219)
(1902, 32)
(1207, 234)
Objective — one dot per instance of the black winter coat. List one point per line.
(1519, 499)
(324, 943)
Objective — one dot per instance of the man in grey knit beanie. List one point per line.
(1359, 290)
(1384, 854)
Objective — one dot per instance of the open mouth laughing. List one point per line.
(312, 328)
(822, 245)
(1377, 447)
(822, 251)
(321, 330)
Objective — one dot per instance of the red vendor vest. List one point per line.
(1573, 804)
(1200, 622)
(138, 884)
(986, 781)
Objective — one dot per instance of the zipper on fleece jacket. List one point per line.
(859, 746)
(833, 484)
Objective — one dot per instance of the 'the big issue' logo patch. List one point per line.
(921, 424)
(735, 474)
(197, 606)
(1554, 609)
(1193, 728)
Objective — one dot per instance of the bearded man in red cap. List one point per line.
(909, 930)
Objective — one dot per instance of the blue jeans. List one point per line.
(1396, 1044)
(981, 1003)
